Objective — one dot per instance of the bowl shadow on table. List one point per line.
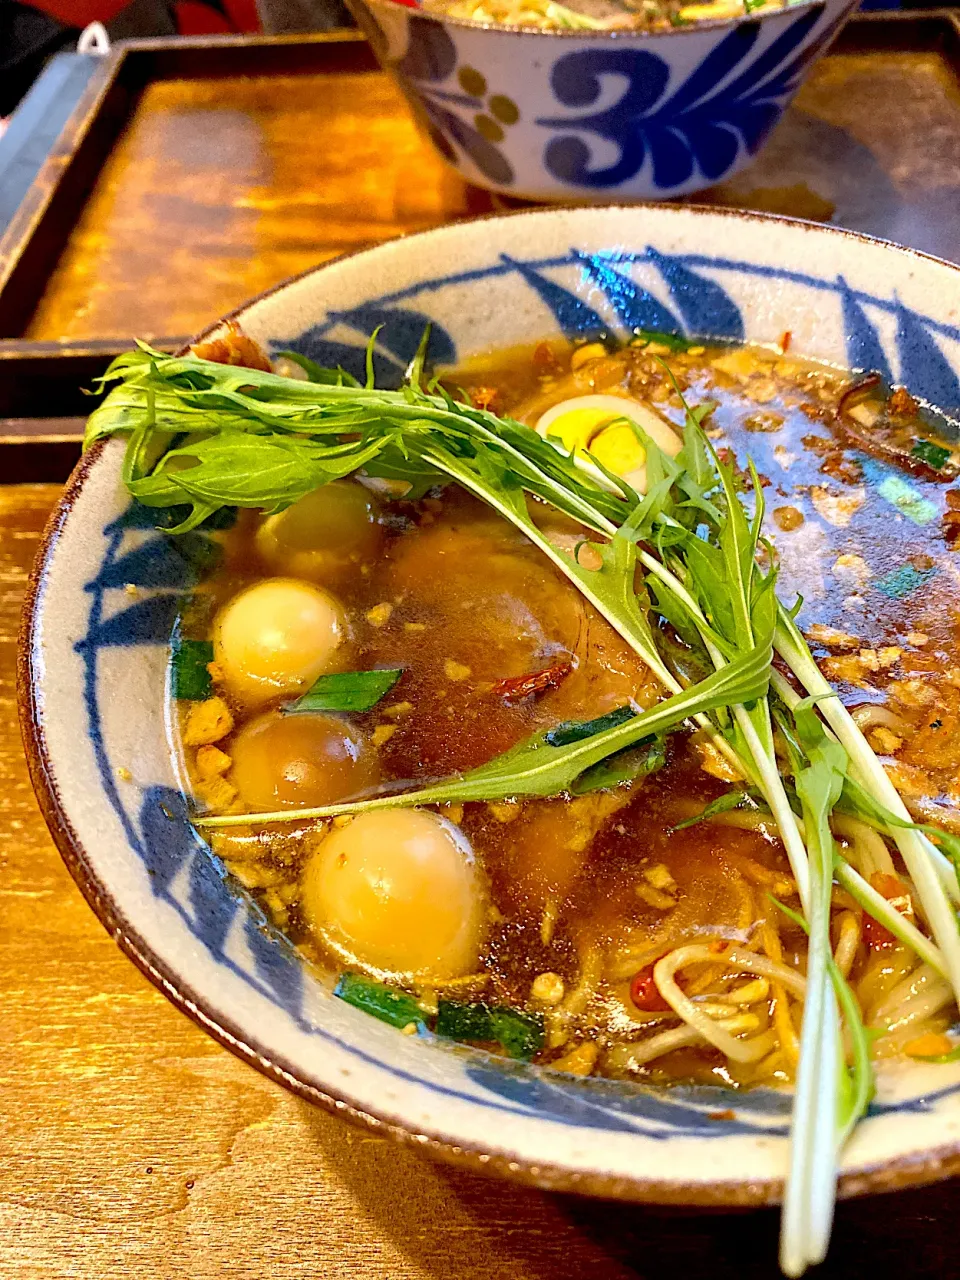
(453, 1224)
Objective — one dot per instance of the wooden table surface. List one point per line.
(130, 1144)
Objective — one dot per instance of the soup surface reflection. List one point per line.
(554, 911)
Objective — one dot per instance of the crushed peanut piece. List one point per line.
(762, 391)
(831, 637)
(383, 733)
(889, 656)
(912, 693)
(211, 761)
(207, 722)
(454, 812)
(784, 456)
(917, 638)
(397, 709)
(838, 509)
(548, 988)
(885, 740)
(456, 670)
(654, 898)
(504, 810)
(852, 567)
(216, 793)
(379, 615)
(659, 876)
(787, 518)
(254, 875)
(579, 1061)
(582, 355)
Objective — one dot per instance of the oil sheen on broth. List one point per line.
(558, 908)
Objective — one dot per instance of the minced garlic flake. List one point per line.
(917, 638)
(383, 733)
(343, 820)
(124, 774)
(131, 588)
(414, 626)
(410, 1029)
(456, 670)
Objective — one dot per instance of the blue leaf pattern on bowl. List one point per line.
(182, 872)
(430, 58)
(699, 128)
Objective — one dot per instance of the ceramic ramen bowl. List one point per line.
(93, 697)
(594, 116)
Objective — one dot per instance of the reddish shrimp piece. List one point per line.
(645, 993)
(235, 348)
(516, 688)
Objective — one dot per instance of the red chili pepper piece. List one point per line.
(516, 688)
(485, 398)
(895, 891)
(645, 993)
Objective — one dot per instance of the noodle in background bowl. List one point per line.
(94, 707)
(593, 116)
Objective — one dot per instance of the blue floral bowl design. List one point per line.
(587, 116)
(108, 585)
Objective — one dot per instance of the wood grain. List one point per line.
(219, 189)
(132, 1146)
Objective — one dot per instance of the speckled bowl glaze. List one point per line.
(92, 691)
(587, 116)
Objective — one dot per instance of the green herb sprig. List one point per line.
(688, 552)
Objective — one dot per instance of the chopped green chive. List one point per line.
(189, 677)
(386, 1003)
(347, 691)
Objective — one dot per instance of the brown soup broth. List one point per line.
(590, 891)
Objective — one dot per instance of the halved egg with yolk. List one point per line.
(595, 424)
